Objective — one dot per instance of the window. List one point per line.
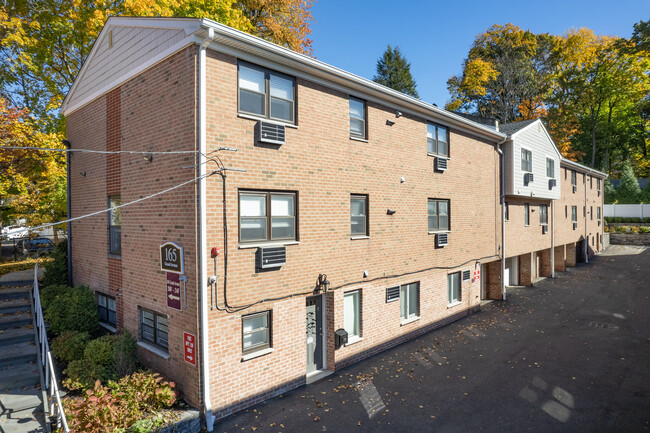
(526, 160)
(408, 301)
(438, 215)
(550, 168)
(115, 226)
(453, 288)
(573, 178)
(591, 182)
(507, 211)
(543, 214)
(357, 118)
(527, 214)
(352, 314)
(359, 215)
(584, 211)
(256, 332)
(598, 185)
(574, 214)
(591, 213)
(598, 213)
(254, 211)
(153, 328)
(566, 212)
(266, 93)
(106, 309)
(437, 140)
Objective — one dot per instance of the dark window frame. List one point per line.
(437, 214)
(269, 324)
(526, 214)
(114, 230)
(267, 94)
(366, 199)
(436, 140)
(363, 136)
(156, 341)
(507, 211)
(104, 310)
(269, 217)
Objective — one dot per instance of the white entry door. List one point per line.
(511, 276)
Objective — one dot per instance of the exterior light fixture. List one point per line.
(148, 157)
(389, 122)
(323, 283)
(398, 114)
(391, 211)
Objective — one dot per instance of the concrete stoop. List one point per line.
(21, 398)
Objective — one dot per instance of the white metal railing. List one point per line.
(46, 360)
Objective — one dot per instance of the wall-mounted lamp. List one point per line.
(323, 283)
(391, 211)
(389, 122)
(148, 157)
(398, 114)
(83, 173)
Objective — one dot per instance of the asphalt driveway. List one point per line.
(568, 355)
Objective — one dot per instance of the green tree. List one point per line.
(394, 71)
(629, 191)
(645, 193)
(610, 192)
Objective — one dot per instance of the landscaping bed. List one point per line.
(629, 238)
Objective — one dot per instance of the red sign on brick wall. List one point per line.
(189, 342)
(173, 291)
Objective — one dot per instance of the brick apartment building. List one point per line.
(349, 207)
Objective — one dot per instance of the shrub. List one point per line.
(70, 345)
(50, 293)
(146, 389)
(634, 229)
(644, 229)
(73, 310)
(56, 270)
(105, 358)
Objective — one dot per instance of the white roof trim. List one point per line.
(583, 168)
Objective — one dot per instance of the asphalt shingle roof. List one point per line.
(511, 128)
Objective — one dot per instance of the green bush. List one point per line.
(56, 270)
(50, 293)
(644, 229)
(105, 358)
(70, 345)
(73, 310)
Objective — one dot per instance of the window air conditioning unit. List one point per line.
(441, 164)
(575, 188)
(528, 178)
(552, 183)
(272, 133)
(271, 257)
(575, 226)
(442, 239)
(544, 229)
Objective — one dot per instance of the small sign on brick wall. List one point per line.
(174, 291)
(189, 341)
(171, 258)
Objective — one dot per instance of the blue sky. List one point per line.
(435, 36)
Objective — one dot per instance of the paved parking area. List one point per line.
(568, 355)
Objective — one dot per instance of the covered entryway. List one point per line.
(314, 334)
(511, 277)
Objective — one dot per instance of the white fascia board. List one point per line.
(582, 168)
(238, 43)
(539, 122)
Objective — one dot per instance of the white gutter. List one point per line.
(203, 279)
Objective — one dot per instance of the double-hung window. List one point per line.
(115, 225)
(267, 216)
(358, 115)
(352, 314)
(574, 182)
(574, 214)
(453, 288)
(437, 140)
(256, 332)
(409, 300)
(527, 214)
(154, 329)
(106, 309)
(266, 93)
(598, 214)
(359, 215)
(526, 160)
(438, 214)
(543, 214)
(598, 185)
(550, 168)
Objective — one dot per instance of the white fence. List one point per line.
(627, 210)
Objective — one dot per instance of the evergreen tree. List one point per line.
(629, 192)
(610, 192)
(645, 193)
(395, 72)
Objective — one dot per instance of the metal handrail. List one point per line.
(46, 360)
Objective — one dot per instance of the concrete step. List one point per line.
(30, 420)
(16, 335)
(15, 293)
(19, 376)
(22, 398)
(17, 319)
(18, 354)
(14, 305)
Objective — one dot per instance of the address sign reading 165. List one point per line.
(171, 257)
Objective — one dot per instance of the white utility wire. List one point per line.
(46, 149)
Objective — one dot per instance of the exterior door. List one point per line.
(314, 333)
(507, 271)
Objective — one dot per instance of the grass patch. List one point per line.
(8, 266)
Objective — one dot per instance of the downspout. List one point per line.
(586, 247)
(503, 216)
(552, 238)
(69, 211)
(203, 276)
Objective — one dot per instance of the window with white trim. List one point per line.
(358, 118)
(359, 215)
(574, 214)
(526, 214)
(154, 329)
(598, 213)
(543, 214)
(574, 182)
(115, 225)
(352, 314)
(526, 160)
(437, 140)
(266, 93)
(409, 295)
(267, 216)
(256, 332)
(453, 288)
(550, 168)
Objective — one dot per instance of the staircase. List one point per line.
(21, 398)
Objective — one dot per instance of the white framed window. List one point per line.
(598, 213)
(106, 308)
(438, 215)
(527, 214)
(256, 332)
(266, 93)
(359, 215)
(550, 168)
(255, 208)
(358, 118)
(409, 298)
(352, 314)
(526, 160)
(543, 214)
(574, 214)
(437, 140)
(154, 329)
(574, 181)
(453, 288)
(598, 185)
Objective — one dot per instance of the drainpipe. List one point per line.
(203, 276)
(552, 238)
(503, 216)
(585, 208)
(69, 211)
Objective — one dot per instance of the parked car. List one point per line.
(14, 232)
(36, 247)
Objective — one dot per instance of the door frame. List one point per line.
(324, 336)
